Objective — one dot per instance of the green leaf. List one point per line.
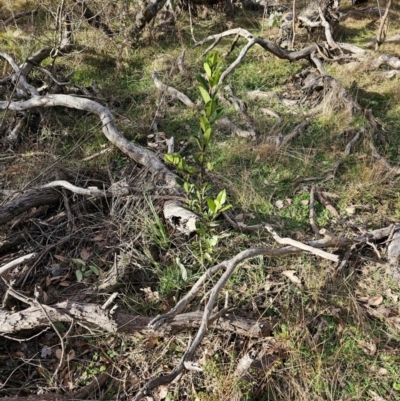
(204, 123)
(60, 326)
(79, 275)
(179, 181)
(210, 166)
(207, 69)
(222, 197)
(207, 136)
(210, 107)
(187, 187)
(213, 240)
(227, 207)
(205, 95)
(211, 205)
(183, 269)
(87, 273)
(94, 269)
(79, 262)
(168, 158)
(202, 82)
(198, 143)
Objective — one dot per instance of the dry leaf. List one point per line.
(368, 347)
(162, 392)
(85, 254)
(239, 217)
(382, 371)
(60, 258)
(375, 301)
(58, 353)
(150, 295)
(98, 237)
(71, 355)
(279, 204)
(290, 274)
(48, 281)
(151, 343)
(375, 396)
(393, 297)
(65, 283)
(46, 351)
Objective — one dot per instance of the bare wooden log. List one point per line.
(182, 219)
(146, 13)
(392, 39)
(326, 204)
(33, 318)
(391, 61)
(27, 201)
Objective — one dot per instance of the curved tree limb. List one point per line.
(136, 152)
(172, 92)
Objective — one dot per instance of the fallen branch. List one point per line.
(136, 152)
(10, 265)
(300, 245)
(381, 35)
(27, 201)
(14, 17)
(391, 61)
(230, 266)
(392, 39)
(296, 131)
(313, 224)
(94, 19)
(226, 124)
(172, 92)
(33, 318)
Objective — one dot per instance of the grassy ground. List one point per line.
(335, 336)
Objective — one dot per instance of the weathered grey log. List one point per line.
(26, 202)
(33, 318)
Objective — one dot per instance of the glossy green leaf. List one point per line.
(211, 205)
(205, 95)
(222, 197)
(207, 136)
(203, 83)
(207, 69)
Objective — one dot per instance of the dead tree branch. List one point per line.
(172, 92)
(381, 32)
(33, 318)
